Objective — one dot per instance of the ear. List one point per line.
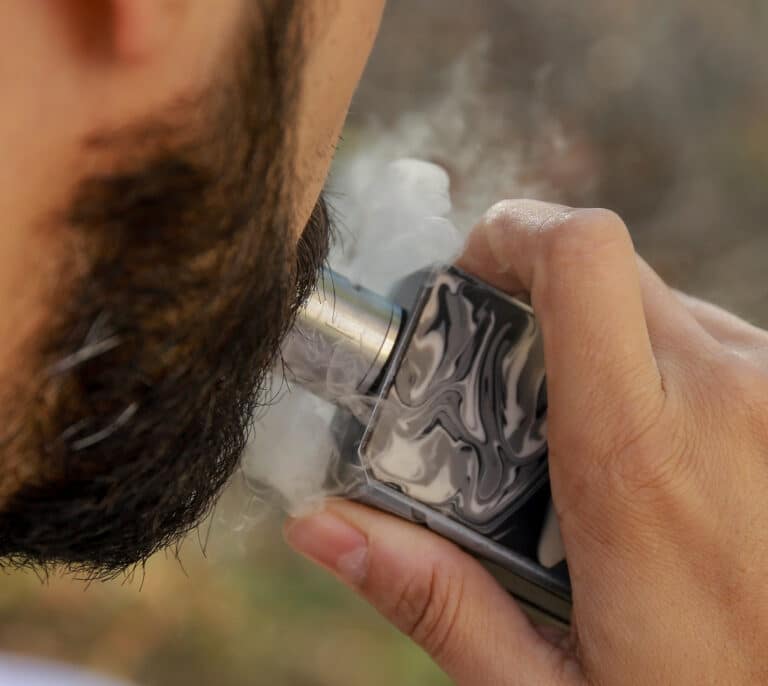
(142, 28)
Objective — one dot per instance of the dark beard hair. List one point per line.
(183, 280)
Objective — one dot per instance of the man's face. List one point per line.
(159, 193)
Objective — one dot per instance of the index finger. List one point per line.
(580, 269)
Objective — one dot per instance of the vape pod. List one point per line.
(443, 417)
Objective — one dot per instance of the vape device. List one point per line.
(443, 417)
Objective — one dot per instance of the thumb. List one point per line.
(433, 592)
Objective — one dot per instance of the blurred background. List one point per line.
(657, 109)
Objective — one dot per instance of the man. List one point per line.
(161, 160)
(161, 181)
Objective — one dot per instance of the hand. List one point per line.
(658, 435)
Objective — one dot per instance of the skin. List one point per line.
(658, 426)
(660, 501)
(140, 61)
(118, 62)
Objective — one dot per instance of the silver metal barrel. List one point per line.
(343, 339)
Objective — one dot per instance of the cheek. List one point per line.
(340, 39)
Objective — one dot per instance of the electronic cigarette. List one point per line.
(444, 398)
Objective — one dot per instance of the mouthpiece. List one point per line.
(342, 340)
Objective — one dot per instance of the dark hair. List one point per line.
(154, 357)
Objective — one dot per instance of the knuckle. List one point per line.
(518, 211)
(501, 216)
(646, 448)
(656, 464)
(744, 392)
(500, 211)
(527, 216)
(428, 608)
(662, 466)
(583, 235)
(617, 429)
(722, 402)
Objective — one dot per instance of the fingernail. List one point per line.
(331, 542)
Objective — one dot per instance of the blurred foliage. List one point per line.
(658, 109)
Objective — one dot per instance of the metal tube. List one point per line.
(343, 339)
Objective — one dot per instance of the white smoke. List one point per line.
(291, 450)
(396, 219)
(396, 216)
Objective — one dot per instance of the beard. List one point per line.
(149, 379)
(180, 280)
